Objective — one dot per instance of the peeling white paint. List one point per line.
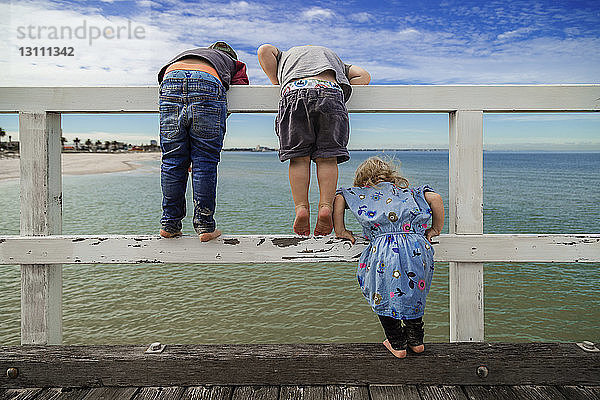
(250, 249)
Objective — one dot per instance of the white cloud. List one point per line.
(317, 13)
(514, 34)
(408, 33)
(97, 59)
(406, 52)
(362, 17)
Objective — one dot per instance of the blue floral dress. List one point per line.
(396, 268)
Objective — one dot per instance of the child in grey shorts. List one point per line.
(312, 122)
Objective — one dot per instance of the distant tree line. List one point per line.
(106, 146)
(88, 146)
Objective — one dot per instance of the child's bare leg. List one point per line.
(299, 181)
(327, 175)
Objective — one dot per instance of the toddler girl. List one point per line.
(395, 270)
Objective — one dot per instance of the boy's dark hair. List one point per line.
(225, 48)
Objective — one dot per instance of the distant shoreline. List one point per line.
(84, 163)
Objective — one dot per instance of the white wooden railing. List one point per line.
(41, 249)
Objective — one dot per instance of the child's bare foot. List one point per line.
(418, 349)
(169, 235)
(206, 236)
(302, 221)
(397, 353)
(324, 220)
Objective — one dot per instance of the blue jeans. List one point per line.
(193, 110)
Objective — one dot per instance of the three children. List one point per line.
(312, 124)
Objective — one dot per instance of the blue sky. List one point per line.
(399, 42)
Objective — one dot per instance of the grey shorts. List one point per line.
(313, 122)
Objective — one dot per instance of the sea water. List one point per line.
(312, 302)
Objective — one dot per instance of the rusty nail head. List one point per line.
(12, 372)
(482, 371)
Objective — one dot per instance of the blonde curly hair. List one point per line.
(374, 170)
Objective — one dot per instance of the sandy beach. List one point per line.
(85, 163)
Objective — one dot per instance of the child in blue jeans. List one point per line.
(193, 110)
(396, 268)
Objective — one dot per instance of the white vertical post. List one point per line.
(466, 217)
(41, 214)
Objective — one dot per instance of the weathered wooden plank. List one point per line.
(19, 394)
(302, 393)
(63, 394)
(111, 393)
(91, 249)
(339, 392)
(159, 393)
(490, 393)
(207, 393)
(466, 217)
(255, 393)
(580, 392)
(372, 98)
(387, 392)
(441, 392)
(41, 182)
(535, 392)
(41, 214)
(465, 188)
(299, 364)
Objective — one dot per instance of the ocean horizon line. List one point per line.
(252, 150)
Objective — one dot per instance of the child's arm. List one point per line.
(358, 75)
(339, 208)
(437, 210)
(267, 57)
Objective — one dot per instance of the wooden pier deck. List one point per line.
(301, 371)
(333, 392)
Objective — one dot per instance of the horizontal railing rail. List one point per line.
(41, 249)
(251, 249)
(264, 99)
